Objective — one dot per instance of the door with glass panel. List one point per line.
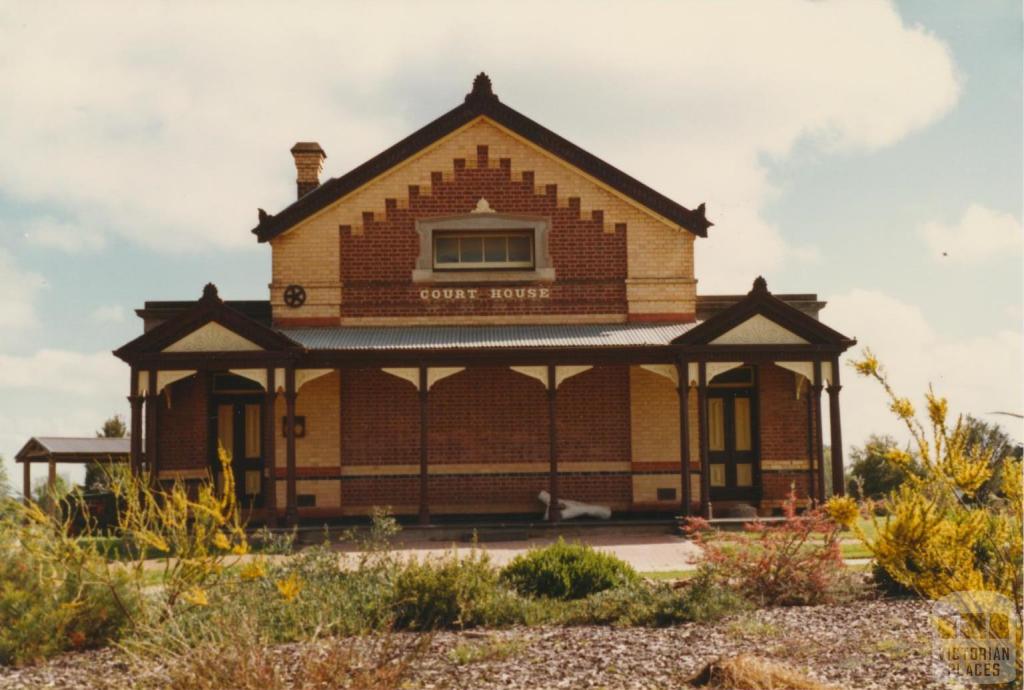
(238, 429)
(733, 470)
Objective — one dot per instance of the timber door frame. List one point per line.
(239, 463)
(729, 392)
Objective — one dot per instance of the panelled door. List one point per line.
(733, 467)
(238, 425)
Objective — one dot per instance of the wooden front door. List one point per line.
(733, 469)
(238, 425)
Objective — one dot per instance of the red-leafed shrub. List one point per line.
(793, 562)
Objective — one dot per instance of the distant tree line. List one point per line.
(871, 475)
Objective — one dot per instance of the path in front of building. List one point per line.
(646, 553)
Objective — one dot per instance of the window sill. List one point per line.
(540, 275)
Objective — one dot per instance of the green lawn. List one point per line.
(669, 574)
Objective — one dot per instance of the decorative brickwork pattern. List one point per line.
(377, 263)
(653, 260)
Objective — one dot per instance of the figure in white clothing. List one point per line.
(568, 509)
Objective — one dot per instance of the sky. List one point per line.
(867, 151)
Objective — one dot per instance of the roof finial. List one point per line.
(481, 88)
(760, 286)
(210, 292)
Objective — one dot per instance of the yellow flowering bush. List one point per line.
(843, 510)
(940, 534)
(62, 586)
(197, 533)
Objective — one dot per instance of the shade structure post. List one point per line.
(26, 482)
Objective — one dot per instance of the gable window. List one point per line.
(464, 251)
(483, 246)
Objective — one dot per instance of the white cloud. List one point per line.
(171, 127)
(112, 313)
(18, 288)
(62, 371)
(981, 234)
(979, 374)
(63, 235)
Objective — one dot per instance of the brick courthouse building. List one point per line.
(482, 312)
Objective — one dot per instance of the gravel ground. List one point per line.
(862, 646)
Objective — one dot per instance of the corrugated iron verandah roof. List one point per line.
(73, 449)
(486, 337)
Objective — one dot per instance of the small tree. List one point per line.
(872, 475)
(5, 485)
(6, 494)
(95, 474)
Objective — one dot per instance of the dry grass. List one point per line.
(749, 672)
(489, 649)
(378, 663)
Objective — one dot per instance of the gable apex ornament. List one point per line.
(210, 293)
(483, 206)
(481, 88)
(760, 286)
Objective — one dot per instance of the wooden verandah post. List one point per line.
(683, 388)
(291, 501)
(554, 514)
(819, 442)
(269, 451)
(135, 429)
(835, 427)
(424, 511)
(151, 423)
(702, 414)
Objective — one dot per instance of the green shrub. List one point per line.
(299, 598)
(707, 599)
(452, 591)
(644, 604)
(566, 571)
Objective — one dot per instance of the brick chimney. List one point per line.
(309, 163)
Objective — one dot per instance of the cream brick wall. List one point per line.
(654, 418)
(654, 435)
(660, 254)
(327, 491)
(645, 488)
(318, 402)
(801, 464)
